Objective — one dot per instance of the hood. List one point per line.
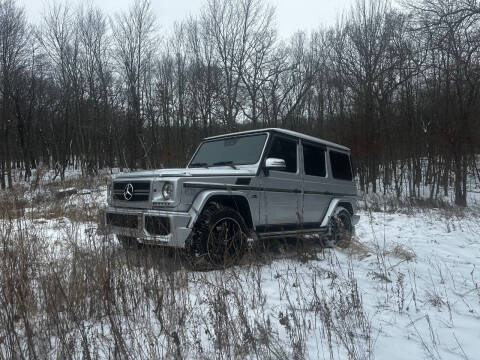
(214, 171)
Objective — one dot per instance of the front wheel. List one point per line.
(218, 238)
(340, 228)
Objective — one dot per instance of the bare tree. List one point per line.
(92, 93)
(95, 65)
(369, 66)
(60, 43)
(452, 40)
(135, 47)
(235, 28)
(204, 73)
(260, 57)
(13, 47)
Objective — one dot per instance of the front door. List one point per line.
(282, 190)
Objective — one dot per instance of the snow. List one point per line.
(447, 251)
(408, 287)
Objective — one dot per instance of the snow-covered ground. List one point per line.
(429, 306)
(408, 287)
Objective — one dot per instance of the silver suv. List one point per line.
(238, 188)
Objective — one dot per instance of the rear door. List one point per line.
(282, 190)
(316, 194)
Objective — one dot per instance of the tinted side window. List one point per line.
(341, 168)
(314, 160)
(287, 150)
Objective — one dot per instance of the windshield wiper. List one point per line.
(226, 163)
(199, 164)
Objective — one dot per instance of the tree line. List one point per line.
(399, 85)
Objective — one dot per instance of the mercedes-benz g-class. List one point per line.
(238, 188)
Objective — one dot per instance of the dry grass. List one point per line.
(402, 252)
(105, 302)
(358, 249)
(95, 300)
(390, 203)
(52, 201)
(435, 299)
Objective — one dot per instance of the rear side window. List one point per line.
(287, 150)
(341, 168)
(314, 160)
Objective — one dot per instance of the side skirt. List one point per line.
(292, 232)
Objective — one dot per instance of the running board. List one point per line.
(276, 234)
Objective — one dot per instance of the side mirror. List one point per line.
(275, 164)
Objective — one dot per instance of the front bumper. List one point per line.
(175, 236)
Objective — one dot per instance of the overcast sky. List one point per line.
(292, 15)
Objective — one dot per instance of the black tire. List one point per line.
(128, 242)
(218, 238)
(340, 228)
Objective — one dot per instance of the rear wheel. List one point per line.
(218, 238)
(340, 228)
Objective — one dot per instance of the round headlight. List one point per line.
(167, 191)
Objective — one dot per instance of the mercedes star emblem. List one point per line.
(128, 192)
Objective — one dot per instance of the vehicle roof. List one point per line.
(286, 132)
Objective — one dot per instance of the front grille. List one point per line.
(138, 190)
(157, 225)
(122, 220)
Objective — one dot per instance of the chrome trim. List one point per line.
(292, 232)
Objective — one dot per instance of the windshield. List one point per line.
(230, 151)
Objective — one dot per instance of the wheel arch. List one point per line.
(347, 205)
(233, 199)
(336, 203)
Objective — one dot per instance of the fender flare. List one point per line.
(202, 199)
(332, 210)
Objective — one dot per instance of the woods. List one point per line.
(399, 85)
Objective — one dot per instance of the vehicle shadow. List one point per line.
(263, 252)
(162, 259)
(299, 248)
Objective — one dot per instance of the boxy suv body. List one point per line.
(238, 188)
